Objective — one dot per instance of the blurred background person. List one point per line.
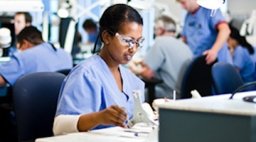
(91, 28)
(205, 34)
(21, 20)
(166, 60)
(36, 55)
(240, 51)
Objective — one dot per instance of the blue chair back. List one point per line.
(35, 99)
(197, 77)
(226, 78)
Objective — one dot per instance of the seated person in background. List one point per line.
(35, 56)
(98, 92)
(167, 59)
(91, 29)
(240, 51)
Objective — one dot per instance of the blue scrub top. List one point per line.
(91, 87)
(92, 37)
(200, 32)
(40, 58)
(243, 61)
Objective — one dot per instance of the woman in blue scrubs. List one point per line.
(98, 92)
(240, 51)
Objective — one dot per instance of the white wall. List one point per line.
(241, 7)
(175, 8)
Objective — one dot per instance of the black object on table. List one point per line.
(151, 84)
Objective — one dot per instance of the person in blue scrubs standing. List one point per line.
(98, 93)
(205, 34)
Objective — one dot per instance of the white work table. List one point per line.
(216, 104)
(114, 134)
(208, 119)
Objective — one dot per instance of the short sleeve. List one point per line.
(216, 19)
(80, 94)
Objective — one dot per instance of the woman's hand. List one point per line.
(113, 115)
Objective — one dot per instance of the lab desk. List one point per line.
(138, 133)
(208, 119)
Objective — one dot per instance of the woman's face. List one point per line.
(123, 45)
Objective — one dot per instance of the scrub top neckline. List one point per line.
(124, 89)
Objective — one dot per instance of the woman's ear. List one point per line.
(106, 37)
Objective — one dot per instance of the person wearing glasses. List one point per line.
(98, 92)
(205, 33)
(166, 60)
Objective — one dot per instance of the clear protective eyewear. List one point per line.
(129, 41)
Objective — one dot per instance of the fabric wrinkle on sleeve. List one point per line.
(80, 94)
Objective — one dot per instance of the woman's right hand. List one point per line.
(113, 115)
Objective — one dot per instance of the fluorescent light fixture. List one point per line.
(21, 5)
(211, 4)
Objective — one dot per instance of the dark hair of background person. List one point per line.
(113, 18)
(240, 39)
(31, 34)
(89, 24)
(28, 17)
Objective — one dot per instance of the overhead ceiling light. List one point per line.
(63, 13)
